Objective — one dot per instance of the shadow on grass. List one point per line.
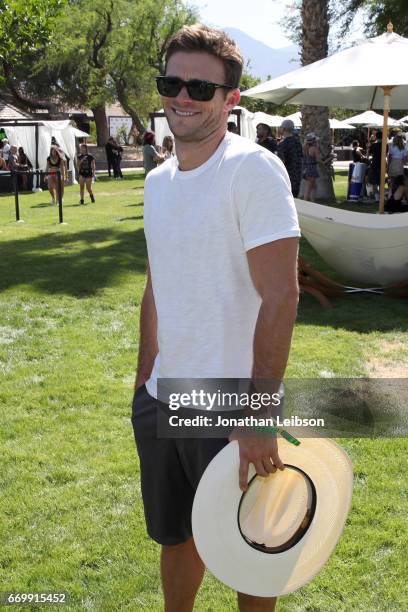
(10, 194)
(127, 176)
(78, 264)
(362, 313)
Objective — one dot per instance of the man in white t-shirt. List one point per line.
(221, 294)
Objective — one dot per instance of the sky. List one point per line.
(257, 18)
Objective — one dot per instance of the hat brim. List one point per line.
(247, 570)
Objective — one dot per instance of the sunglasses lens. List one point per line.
(197, 90)
(169, 87)
(201, 90)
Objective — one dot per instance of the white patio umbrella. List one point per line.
(336, 124)
(366, 76)
(371, 118)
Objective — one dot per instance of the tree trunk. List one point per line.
(101, 123)
(315, 31)
(124, 102)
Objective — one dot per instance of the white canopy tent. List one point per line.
(271, 120)
(35, 138)
(371, 118)
(158, 123)
(365, 76)
(335, 124)
(296, 118)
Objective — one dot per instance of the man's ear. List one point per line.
(232, 99)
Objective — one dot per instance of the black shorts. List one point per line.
(170, 470)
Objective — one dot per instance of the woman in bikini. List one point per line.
(55, 163)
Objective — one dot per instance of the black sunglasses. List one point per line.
(203, 91)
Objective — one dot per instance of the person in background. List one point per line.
(311, 157)
(151, 157)
(397, 156)
(290, 152)
(12, 159)
(168, 147)
(232, 127)
(264, 137)
(23, 166)
(374, 173)
(6, 149)
(109, 155)
(55, 163)
(55, 143)
(399, 193)
(86, 172)
(358, 153)
(117, 151)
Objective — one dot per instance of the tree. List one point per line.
(378, 13)
(115, 54)
(56, 54)
(139, 54)
(314, 41)
(25, 32)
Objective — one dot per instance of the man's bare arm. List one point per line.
(273, 268)
(148, 346)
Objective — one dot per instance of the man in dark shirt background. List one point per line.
(264, 137)
(290, 152)
(110, 145)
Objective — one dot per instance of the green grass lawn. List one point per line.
(72, 517)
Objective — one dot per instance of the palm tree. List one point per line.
(314, 45)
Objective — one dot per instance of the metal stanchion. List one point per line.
(15, 185)
(59, 183)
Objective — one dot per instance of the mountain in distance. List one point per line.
(265, 60)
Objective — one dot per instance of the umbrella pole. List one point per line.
(387, 94)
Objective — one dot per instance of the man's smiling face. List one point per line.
(192, 120)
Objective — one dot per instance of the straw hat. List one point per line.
(274, 538)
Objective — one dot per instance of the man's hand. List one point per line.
(262, 451)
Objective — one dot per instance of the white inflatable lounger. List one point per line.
(362, 247)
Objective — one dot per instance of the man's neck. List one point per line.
(191, 155)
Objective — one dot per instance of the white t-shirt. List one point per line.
(6, 151)
(199, 225)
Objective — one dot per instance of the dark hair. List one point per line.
(398, 141)
(267, 127)
(54, 149)
(355, 143)
(148, 138)
(199, 37)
